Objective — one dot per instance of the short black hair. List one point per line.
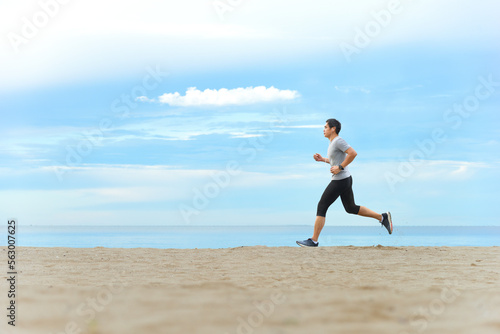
(332, 122)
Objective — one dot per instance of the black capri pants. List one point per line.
(336, 188)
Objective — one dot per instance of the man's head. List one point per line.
(331, 125)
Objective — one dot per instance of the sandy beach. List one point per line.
(255, 290)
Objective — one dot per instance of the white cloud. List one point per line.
(224, 96)
(144, 99)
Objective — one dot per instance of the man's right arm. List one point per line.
(318, 157)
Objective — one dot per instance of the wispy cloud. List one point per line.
(312, 126)
(224, 96)
(445, 170)
(350, 89)
(234, 124)
(404, 89)
(245, 135)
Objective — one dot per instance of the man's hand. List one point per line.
(318, 157)
(335, 170)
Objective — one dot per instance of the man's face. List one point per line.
(327, 132)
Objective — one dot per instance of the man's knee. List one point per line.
(321, 209)
(321, 213)
(353, 210)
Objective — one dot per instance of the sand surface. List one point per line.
(255, 290)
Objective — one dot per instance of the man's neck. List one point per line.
(333, 136)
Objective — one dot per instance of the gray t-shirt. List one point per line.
(336, 154)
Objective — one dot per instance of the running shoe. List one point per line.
(387, 221)
(308, 243)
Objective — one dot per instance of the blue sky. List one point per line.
(414, 101)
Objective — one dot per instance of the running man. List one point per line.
(339, 156)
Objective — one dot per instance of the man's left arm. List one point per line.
(351, 154)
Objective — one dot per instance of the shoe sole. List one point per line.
(301, 245)
(390, 220)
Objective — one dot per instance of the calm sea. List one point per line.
(235, 236)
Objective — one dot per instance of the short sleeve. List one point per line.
(342, 145)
